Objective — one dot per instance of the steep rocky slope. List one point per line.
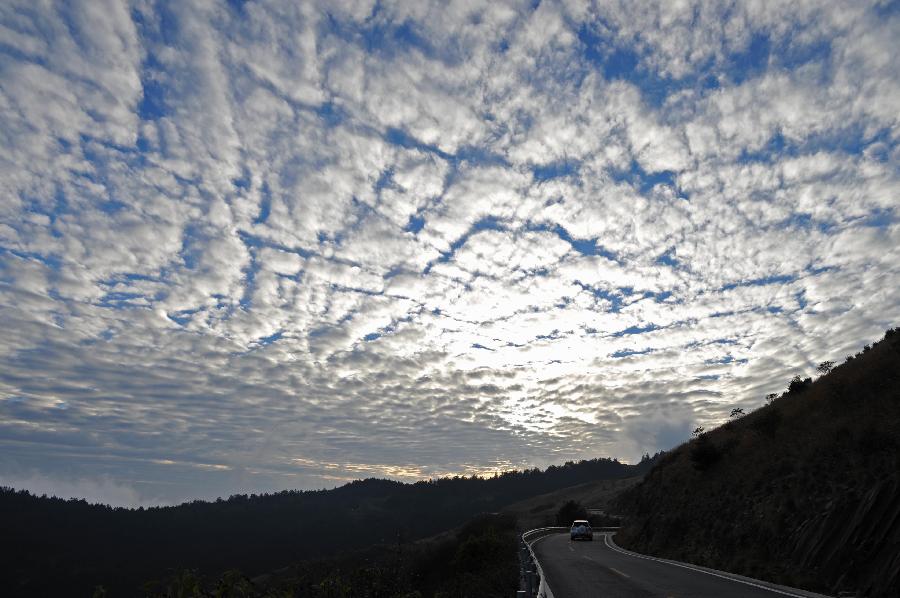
(804, 491)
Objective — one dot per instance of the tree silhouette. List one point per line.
(825, 367)
(569, 512)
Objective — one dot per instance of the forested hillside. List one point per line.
(804, 491)
(55, 546)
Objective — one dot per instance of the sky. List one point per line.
(250, 246)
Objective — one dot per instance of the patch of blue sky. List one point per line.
(804, 221)
(483, 224)
(125, 278)
(50, 260)
(727, 359)
(51, 207)
(112, 206)
(467, 154)
(237, 5)
(268, 340)
(659, 297)
(17, 53)
(555, 170)
(480, 346)
(615, 300)
(104, 155)
(768, 153)
(758, 282)
(119, 299)
(642, 180)
(183, 317)
(582, 246)
(415, 224)
(265, 204)
(887, 9)
(630, 353)
(709, 377)
(793, 54)
(617, 62)
(192, 244)
(631, 330)
(554, 335)
(385, 181)
(250, 272)
(880, 218)
(163, 30)
(752, 61)
(668, 259)
(331, 114)
(473, 154)
(717, 341)
(853, 138)
(789, 52)
(153, 99)
(254, 241)
(386, 39)
(244, 181)
(401, 138)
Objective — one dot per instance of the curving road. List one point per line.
(600, 569)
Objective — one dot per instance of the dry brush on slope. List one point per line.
(803, 491)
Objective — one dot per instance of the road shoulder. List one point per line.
(775, 588)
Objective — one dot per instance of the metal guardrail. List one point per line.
(532, 574)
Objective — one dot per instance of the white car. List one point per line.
(581, 529)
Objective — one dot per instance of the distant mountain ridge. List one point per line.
(56, 546)
(804, 491)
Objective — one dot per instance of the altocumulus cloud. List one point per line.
(256, 245)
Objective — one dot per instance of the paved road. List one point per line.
(596, 570)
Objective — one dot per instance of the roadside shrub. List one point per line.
(872, 440)
(799, 384)
(767, 422)
(569, 512)
(704, 454)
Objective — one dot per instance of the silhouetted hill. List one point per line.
(67, 547)
(541, 511)
(804, 491)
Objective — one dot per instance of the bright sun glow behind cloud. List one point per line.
(256, 245)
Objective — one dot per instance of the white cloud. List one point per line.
(278, 245)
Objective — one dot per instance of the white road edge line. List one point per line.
(693, 568)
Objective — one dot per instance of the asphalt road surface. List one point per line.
(596, 570)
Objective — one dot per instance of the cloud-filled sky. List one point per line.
(258, 245)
